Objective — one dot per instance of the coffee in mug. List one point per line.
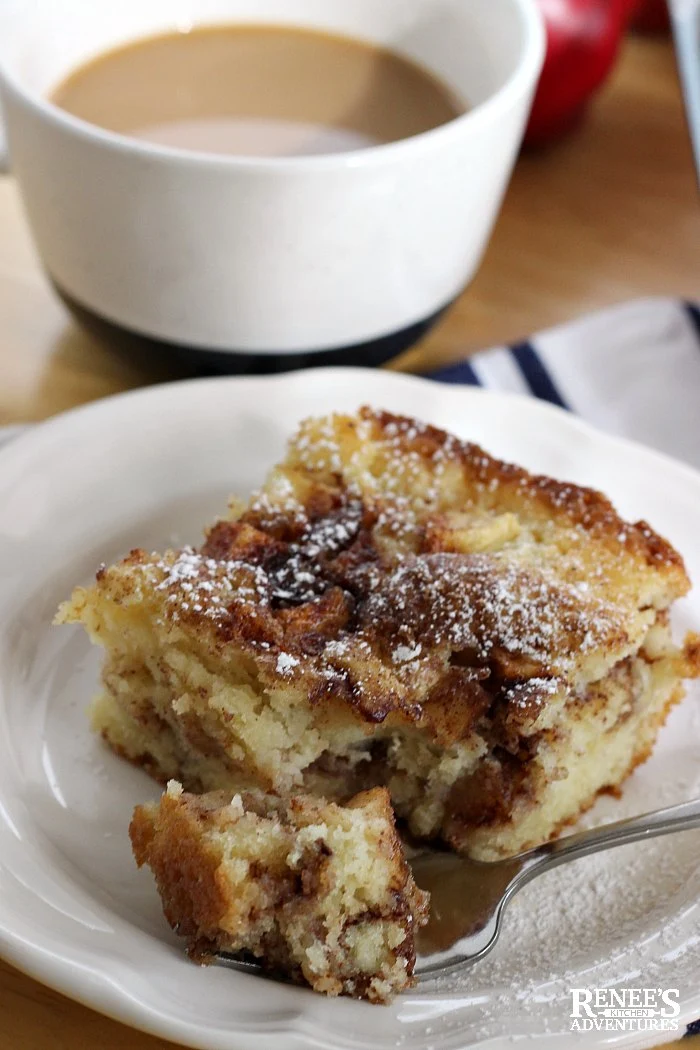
(258, 90)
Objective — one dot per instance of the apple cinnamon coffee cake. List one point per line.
(396, 607)
(314, 890)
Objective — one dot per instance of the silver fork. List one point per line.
(469, 897)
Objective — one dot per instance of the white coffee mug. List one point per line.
(297, 258)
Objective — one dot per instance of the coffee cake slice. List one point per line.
(316, 891)
(396, 607)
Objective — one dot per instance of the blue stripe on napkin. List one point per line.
(693, 313)
(462, 372)
(536, 375)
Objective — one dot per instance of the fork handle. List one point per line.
(683, 817)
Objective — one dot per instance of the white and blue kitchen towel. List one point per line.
(631, 370)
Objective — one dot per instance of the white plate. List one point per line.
(150, 468)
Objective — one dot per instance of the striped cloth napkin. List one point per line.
(632, 370)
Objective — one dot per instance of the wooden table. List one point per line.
(608, 215)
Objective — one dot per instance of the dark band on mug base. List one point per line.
(130, 343)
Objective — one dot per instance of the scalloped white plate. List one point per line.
(151, 467)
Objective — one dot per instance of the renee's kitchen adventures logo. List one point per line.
(625, 1009)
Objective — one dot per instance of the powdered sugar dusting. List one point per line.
(286, 663)
(359, 524)
(533, 693)
(208, 586)
(483, 602)
(405, 653)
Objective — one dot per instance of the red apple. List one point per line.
(583, 38)
(651, 16)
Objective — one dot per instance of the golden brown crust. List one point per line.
(363, 573)
(195, 901)
(579, 506)
(283, 906)
(393, 606)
